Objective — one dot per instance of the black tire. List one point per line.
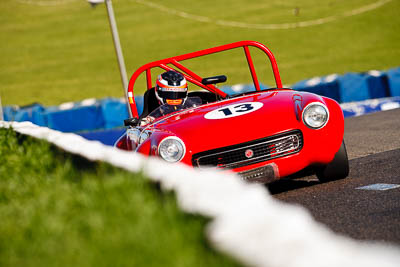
(337, 169)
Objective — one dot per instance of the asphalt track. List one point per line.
(373, 146)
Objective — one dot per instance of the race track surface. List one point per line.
(373, 146)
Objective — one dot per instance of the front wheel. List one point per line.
(338, 168)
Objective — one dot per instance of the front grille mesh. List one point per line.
(251, 152)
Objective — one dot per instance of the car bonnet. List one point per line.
(232, 121)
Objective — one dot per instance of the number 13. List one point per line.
(239, 108)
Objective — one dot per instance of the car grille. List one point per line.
(252, 152)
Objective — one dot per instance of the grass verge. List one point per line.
(58, 209)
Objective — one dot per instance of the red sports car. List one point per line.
(263, 134)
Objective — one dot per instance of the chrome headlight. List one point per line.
(315, 115)
(172, 149)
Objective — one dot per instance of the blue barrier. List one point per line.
(76, 119)
(368, 106)
(33, 113)
(107, 137)
(92, 114)
(327, 86)
(377, 83)
(114, 113)
(394, 81)
(139, 104)
(353, 87)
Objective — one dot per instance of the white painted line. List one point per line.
(271, 26)
(379, 187)
(45, 2)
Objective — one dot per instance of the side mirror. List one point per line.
(131, 122)
(214, 80)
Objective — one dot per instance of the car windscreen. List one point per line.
(167, 109)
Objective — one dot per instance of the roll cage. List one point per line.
(193, 77)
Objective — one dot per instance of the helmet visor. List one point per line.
(173, 94)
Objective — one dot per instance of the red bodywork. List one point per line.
(274, 113)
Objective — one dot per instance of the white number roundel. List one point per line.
(233, 110)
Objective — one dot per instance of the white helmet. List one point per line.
(171, 88)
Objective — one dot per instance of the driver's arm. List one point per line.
(146, 120)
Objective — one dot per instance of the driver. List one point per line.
(171, 88)
(172, 93)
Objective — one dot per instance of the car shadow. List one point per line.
(288, 184)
